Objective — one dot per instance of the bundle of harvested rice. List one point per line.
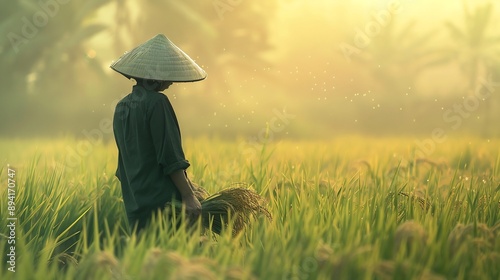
(239, 205)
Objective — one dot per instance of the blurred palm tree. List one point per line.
(232, 37)
(229, 39)
(44, 50)
(51, 73)
(476, 50)
(397, 56)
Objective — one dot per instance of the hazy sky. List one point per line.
(307, 70)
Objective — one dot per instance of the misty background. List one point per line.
(305, 69)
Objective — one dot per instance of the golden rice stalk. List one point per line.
(409, 234)
(200, 193)
(196, 268)
(403, 270)
(424, 203)
(100, 265)
(237, 204)
(151, 260)
(160, 264)
(324, 253)
(478, 236)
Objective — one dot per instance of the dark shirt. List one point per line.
(149, 149)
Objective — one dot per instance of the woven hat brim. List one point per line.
(159, 59)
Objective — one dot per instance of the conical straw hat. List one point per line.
(159, 59)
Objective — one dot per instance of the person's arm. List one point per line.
(170, 156)
(193, 206)
(189, 182)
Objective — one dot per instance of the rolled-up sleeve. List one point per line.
(166, 137)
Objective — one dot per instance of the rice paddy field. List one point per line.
(348, 208)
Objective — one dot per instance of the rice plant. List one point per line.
(341, 209)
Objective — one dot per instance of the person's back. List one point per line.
(148, 140)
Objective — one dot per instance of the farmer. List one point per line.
(151, 162)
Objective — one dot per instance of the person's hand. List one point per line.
(193, 207)
(191, 203)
